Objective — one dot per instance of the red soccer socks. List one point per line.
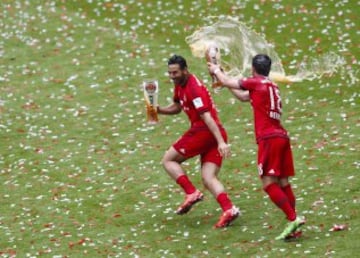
(278, 197)
(186, 184)
(224, 201)
(290, 194)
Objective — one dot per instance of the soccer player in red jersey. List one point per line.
(206, 138)
(275, 161)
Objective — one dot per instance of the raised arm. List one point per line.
(242, 95)
(231, 83)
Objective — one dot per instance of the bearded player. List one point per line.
(206, 138)
(275, 161)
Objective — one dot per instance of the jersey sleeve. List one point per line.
(199, 97)
(247, 84)
(200, 105)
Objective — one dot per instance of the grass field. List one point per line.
(80, 169)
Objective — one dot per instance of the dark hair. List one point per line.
(175, 59)
(262, 64)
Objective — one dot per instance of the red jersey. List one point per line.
(266, 103)
(195, 99)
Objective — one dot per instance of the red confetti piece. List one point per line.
(338, 227)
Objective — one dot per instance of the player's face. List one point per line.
(177, 75)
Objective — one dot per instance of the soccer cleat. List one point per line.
(294, 235)
(190, 200)
(291, 228)
(227, 217)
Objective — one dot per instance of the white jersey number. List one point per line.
(275, 103)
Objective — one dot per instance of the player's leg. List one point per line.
(269, 166)
(278, 164)
(287, 171)
(183, 149)
(270, 161)
(172, 164)
(280, 199)
(277, 196)
(287, 189)
(209, 173)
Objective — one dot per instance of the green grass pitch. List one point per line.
(80, 172)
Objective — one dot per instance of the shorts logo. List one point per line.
(182, 150)
(272, 172)
(198, 102)
(260, 169)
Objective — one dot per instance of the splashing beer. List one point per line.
(240, 44)
(212, 55)
(151, 89)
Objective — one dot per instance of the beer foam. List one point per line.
(238, 44)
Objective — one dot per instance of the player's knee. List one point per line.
(166, 157)
(284, 181)
(167, 161)
(164, 161)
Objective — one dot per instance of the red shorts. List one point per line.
(200, 142)
(275, 157)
